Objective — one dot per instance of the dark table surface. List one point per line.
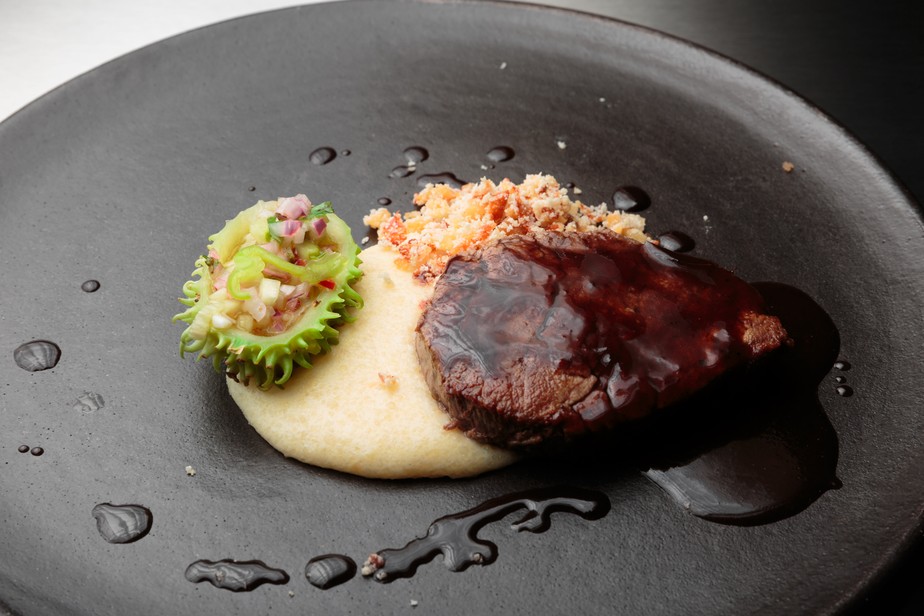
(862, 63)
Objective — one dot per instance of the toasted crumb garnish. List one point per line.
(377, 217)
(451, 221)
(190, 471)
(388, 381)
(372, 564)
(788, 166)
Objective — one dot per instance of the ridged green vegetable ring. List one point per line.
(272, 290)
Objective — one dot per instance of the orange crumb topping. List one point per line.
(451, 221)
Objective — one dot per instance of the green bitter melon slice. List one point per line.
(297, 261)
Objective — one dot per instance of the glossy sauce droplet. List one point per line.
(844, 390)
(37, 355)
(322, 156)
(456, 536)
(842, 365)
(122, 523)
(500, 154)
(23, 449)
(90, 286)
(345, 152)
(630, 199)
(234, 575)
(401, 171)
(37, 451)
(416, 154)
(252, 188)
(87, 402)
(440, 178)
(383, 201)
(676, 241)
(840, 380)
(330, 570)
(760, 448)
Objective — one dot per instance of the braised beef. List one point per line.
(549, 336)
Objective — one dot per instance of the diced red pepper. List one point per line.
(328, 284)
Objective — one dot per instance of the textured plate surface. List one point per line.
(120, 175)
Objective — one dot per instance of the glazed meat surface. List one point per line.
(543, 337)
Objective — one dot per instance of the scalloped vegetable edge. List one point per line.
(270, 360)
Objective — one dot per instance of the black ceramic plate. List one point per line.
(121, 174)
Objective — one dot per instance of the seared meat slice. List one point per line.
(547, 336)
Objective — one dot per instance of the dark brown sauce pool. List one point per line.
(760, 447)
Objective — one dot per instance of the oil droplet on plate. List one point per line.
(87, 402)
(37, 355)
(676, 241)
(401, 171)
(37, 451)
(345, 152)
(844, 390)
(840, 380)
(23, 449)
(630, 199)
(236, 576)
(330, 570)
(842, 365)
(500, 154)
(90, 286)
(416, 154)
(122, 523)
(440, 178)
(322, 156)
(383, 201)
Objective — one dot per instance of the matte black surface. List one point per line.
(120, 175)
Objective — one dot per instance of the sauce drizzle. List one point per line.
(456, 536)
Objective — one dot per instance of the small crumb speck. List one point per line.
(577, 190)
(373, 564)
(388, 381)
(484, 167)
(365, 240)
(561, 144)
(190, 471)
(788, 166)
(414, 603)
(602, 100)
(291, 593)
(503, 65)
(705, 217)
